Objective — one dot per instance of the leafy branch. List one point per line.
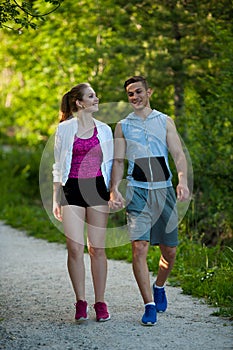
(23, 14)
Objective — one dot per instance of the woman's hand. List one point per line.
(57, 211)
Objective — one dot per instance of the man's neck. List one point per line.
(143, 113)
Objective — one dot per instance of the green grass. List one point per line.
(200, 271)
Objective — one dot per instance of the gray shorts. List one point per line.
(152, 215)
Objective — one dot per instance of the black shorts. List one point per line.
(85, 192)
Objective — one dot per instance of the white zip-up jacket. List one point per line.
(63, 148)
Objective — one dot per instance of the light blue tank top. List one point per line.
(146, 138)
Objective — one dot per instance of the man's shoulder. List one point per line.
(130, 116)
(155, 114)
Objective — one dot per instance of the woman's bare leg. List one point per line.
(73, 222)
(97, 221)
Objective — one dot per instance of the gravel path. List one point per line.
(37, 310)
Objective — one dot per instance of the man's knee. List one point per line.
(168, 256)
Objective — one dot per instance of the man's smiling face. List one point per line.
(138, 96)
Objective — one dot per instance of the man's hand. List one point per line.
(182, 192)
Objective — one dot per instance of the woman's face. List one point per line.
(90, 101)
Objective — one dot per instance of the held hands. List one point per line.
(182, 192)
(116, 200)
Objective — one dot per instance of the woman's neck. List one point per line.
(84, 119)
(85, 125)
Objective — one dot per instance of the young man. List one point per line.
(144, 138)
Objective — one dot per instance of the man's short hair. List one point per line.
(136, 79)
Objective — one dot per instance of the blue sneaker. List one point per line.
(160, 299)
(149, 318)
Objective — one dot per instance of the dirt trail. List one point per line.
(37, 310)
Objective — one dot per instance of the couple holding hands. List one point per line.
(88, 168)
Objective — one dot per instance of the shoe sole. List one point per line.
(148, 324)
(81, 320)
(161, 311)
(104, 319)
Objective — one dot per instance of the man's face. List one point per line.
(138, 96)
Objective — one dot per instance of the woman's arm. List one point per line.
(57, 200)
(56, 178)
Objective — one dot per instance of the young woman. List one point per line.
(83, 154)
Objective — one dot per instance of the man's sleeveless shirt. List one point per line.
(146, 147)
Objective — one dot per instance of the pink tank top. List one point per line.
(87, 157)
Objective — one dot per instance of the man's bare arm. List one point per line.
(176, 150)
(116, 199)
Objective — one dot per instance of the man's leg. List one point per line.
(166, 263)
(140, 269)
(141, 273)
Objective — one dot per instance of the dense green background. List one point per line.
(185, 50)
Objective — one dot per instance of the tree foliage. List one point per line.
(183, 47)
(17, 15)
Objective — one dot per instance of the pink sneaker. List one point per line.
(81, 311)
(101, 310)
